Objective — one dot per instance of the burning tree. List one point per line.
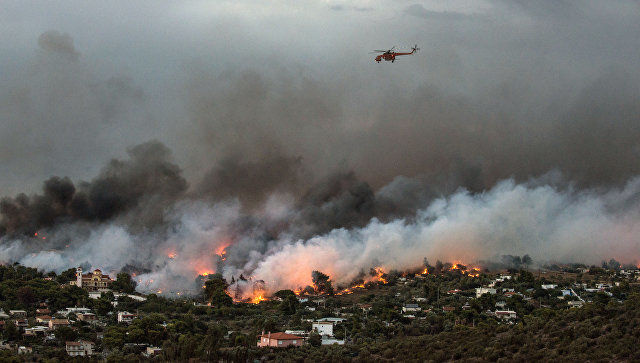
(321, 283)
(215, 291)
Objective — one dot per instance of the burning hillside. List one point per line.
(337, 232)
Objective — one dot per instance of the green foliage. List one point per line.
(215, 291)
(124, 283)
(315, 339)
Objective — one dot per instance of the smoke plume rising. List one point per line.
(166, 149)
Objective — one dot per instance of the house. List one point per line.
(56, 323)
(484, 290)
(89, 317)
(279, 340)
(93, 281)
(80, 348)
(419, 299)
(323, 327)
(331, 341)
(35, 331)
(43, 319)
(411, 308)
(152, 351)
(22, 323)
(501, 304)
(24, 350)
(549, 286)
(43, 311)
(575, 304)
(74, 310)
(448, 309)
(505, 314)
(18, 313)
(125, 317)
(3, 315)
(300, 333)
(333, 320)
(365, 307)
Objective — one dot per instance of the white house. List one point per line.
(411, 308)
(324, 328)
(79, 349)
(125, 317)
(506, 314)
(549, 286)
(484, 290)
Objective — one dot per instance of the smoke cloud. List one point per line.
(275, 153)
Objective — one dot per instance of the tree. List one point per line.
(215, 291)
(65, 333)
(526, 260)
(25, 295)
(124, 283)
(289, 304)
(66, 276)
(321, 282)
(10, 332)
(315, 339)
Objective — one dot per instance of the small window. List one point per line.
(280, 342)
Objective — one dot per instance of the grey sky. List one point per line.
(511, 87)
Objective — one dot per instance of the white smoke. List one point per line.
(542, 221)
(546, 222)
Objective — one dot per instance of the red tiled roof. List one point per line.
(282, 336)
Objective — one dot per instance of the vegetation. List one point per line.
(210, 327)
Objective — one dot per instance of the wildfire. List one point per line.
(222, 249)
(256, 299)
(379, 272)
(425, 271)
(204, 273)
(172, 255)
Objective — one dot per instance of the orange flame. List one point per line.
(221, 250)
(256, 299)
(379, 273)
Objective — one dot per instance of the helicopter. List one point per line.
(390, 55)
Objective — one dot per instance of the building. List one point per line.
(88, 317)
(324, 328)
(125, 317)
(22, 323)
(18, 313)
(93, 281)
(56, 323)
(3, 315)
(152, 351)
(549, 286)
(43, 319)
(410, 308)
(484, 290)
(575, 304)
(35, 331)
(279, 340)
(505, 314)
(331, 341)
(24, 350)
(81, 348)
(68, 311)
